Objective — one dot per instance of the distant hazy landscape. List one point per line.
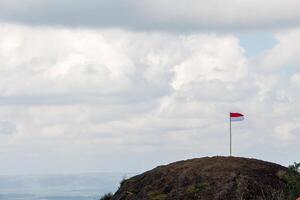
(59, 187)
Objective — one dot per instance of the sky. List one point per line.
(124, 86)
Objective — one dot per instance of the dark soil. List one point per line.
(216, 178)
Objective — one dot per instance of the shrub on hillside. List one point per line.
(107, 196)
(292, 178)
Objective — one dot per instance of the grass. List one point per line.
(158, 196)
(197, 188)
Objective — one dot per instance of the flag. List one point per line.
(236, 117)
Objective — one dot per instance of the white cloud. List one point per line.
(99, 93)
(7, 128)
(286, 131)
(284, 54)
(223, 60)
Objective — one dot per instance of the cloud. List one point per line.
(66, 65)
(169, 15)
(90, 95)
(286, 131)
(283, 55)
(225, 64)
(7, 128)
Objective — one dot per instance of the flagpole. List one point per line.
(230, 134)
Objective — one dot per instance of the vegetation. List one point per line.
(123, 180)
(107, 196)
(197, 188)
(292, 178)
(158, 196)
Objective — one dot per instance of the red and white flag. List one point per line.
(236, 117)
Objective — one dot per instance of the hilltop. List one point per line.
(209, 178)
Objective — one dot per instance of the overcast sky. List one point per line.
(94, 85)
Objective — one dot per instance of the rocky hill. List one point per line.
(215, 178)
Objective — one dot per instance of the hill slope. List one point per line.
(226, 178)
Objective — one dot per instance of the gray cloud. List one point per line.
(179, 15)
(72, 13)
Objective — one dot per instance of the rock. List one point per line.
(209, 178)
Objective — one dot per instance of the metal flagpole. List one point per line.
(230, 134)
